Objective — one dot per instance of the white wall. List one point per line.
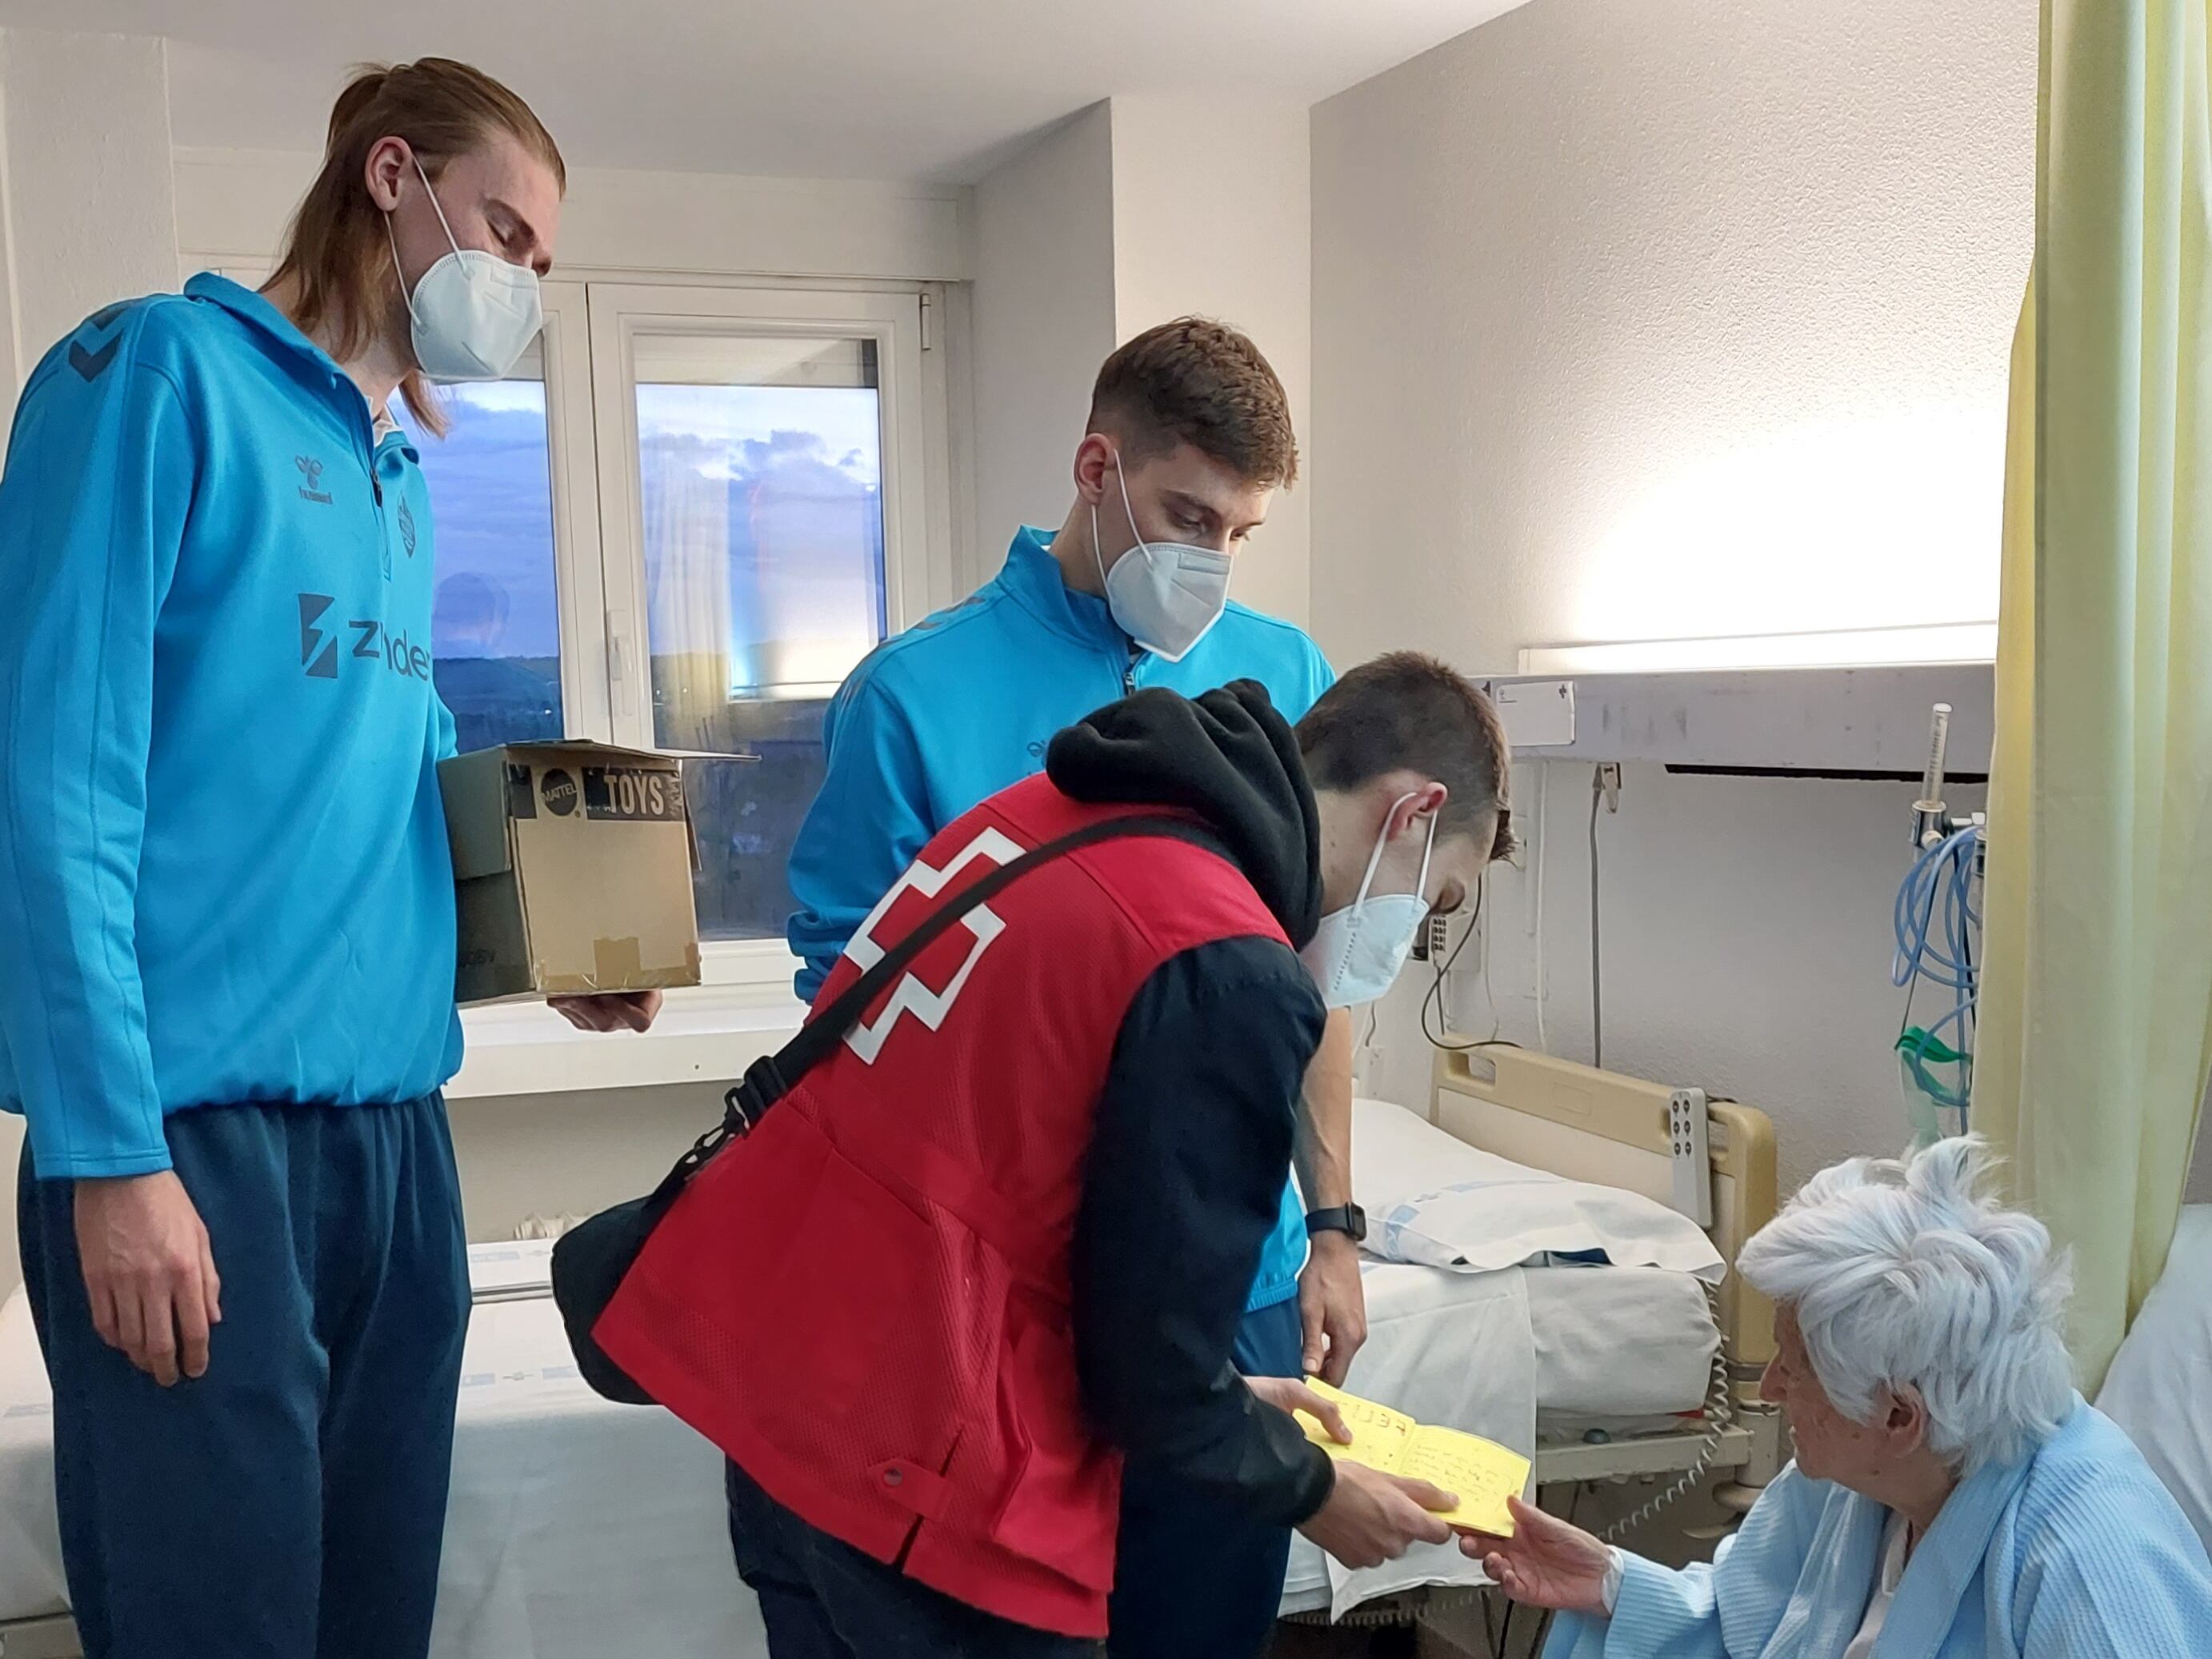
(572, 1154)
(1648, 318)
(1044, 320)
(1127, 214)
(1746, 943)
(90, 213)
(235, 203)
(1637, 319)
(1213, 215)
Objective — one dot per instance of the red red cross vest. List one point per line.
(865, 1303)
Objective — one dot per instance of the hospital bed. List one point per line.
(1637, 1376)
(578, 1528)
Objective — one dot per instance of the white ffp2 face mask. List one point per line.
(472, 314)
(1356, 953)
(1164, 595)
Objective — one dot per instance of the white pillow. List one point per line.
(2161, 1378)
(1438, 1202)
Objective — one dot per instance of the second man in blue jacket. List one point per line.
(1188, 438)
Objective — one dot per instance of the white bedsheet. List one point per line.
(577, 1530)
(30, 1548)
(2159, 1386)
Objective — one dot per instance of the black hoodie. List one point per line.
(1226, 755)
(1194, 1126)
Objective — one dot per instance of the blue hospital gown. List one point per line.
(2075, 1552)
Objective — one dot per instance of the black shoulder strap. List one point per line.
(773, 1075)
(768, 1078)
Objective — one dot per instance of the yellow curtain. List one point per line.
(2096, 1024)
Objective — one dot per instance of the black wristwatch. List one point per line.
(1346, 1219)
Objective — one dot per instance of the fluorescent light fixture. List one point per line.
(1860, 647)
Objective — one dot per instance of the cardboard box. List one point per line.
(571, 871)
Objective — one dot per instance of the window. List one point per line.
(754, 540)
(680, 524)
(761, 486)
(495, 628)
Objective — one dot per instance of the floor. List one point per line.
(1459, 1634)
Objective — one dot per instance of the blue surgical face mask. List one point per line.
(472, 314)
(1356, 953)
(1163, 595)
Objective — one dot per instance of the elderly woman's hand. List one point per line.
(1547, 1563)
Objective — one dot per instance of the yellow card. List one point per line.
(1378, 1434)
(1481, 1474)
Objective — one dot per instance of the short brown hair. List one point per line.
(337, 255)
(1197, 382)
(1407, 710)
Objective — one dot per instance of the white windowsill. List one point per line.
(710, 1034)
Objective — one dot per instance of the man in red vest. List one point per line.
(999, 1241)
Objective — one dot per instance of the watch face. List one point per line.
(1357, 1220)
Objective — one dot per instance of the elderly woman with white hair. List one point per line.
(1953, 1497)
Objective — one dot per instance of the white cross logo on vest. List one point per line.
(910, 995)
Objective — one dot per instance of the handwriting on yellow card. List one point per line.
(1481, 1474)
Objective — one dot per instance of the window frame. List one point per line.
(579, 583)
(618, 313)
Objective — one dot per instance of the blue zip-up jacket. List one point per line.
(961, 706)
(224, 866)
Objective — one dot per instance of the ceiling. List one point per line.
(802, 88)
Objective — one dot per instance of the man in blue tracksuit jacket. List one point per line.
(1189, 436)
(227, 989)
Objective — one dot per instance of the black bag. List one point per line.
(591, 1260)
